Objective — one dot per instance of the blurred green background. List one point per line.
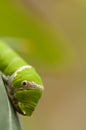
(51, 36)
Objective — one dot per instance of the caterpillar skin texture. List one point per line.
(24, 84)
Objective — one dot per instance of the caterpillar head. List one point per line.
(28, 88)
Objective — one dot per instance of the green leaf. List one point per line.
(8, 117)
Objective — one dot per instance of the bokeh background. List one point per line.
(51, 36)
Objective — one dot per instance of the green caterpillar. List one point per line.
(24, 84)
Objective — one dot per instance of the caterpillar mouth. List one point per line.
(27, 100)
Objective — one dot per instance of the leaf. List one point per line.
(8, 117)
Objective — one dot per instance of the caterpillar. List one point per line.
(24, 85)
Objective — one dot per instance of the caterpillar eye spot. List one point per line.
(24, 83)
